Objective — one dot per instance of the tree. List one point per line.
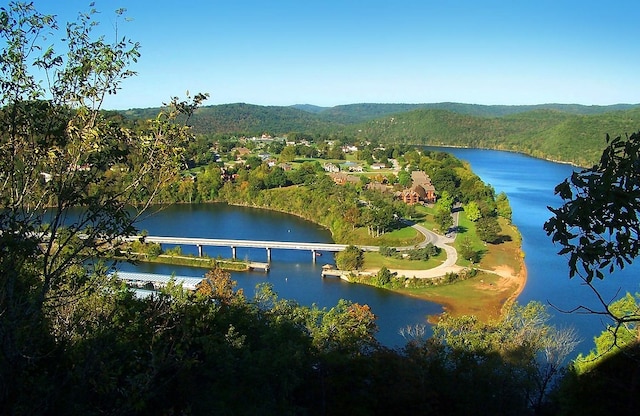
(466, 250)
(404, 178)
(61, 208)
(445, 201)
(472, 211)
(351, 258)
(521, 352)
(598, 225)
(383, 277)
(503, 207)
(488, 229)
(443, 219)
(288, 154)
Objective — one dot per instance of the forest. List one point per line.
(75, 340)
(566, 133)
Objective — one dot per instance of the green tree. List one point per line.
(350, 258)
(443, 219)
(472, 211)
(209, 182)
(404, 178)
(521, 351)
(503, 207)
(598, 225)
(60, 209)
(488, 229)
(445, 201)
(466, 250)
(383, 277)
(288, 154)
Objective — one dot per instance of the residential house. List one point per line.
(341, 178)
(421, 190)
(330, 167)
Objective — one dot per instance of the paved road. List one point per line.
(449, 265)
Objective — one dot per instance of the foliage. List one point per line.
(598, 224)
(488, 229)
(503, 208)
(520, 350)
(613, 339)
(350, 258)
(71, 177)
(472, 211)
(443, 219)
(467, 252)
(383, 277)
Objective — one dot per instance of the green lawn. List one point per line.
(402, 237)
(374, 260)
(467, 297)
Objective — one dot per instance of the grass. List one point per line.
(192, 261)
(374, 260)
(482, 296)
(401, 237)
(508, 253)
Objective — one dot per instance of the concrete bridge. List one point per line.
(314, 248)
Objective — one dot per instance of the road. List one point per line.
(441, 241)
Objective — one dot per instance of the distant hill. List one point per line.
(567, 132)
(357, 113)
(543, 133)
(310, 108)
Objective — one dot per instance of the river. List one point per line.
(527, 181)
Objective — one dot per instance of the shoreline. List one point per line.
(515, 282)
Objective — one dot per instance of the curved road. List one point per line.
(441, 241)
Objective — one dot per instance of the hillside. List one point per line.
(566, 132)
(548, 134)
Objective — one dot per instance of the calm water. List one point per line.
(293, 274)
(528, 182)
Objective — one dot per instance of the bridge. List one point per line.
(314, 248)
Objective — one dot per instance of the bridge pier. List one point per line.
(313, 254)
(268, 254)
(199, 249)
(233, 252)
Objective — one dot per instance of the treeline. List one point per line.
(547, 134)
(569, 133)
(217, 351)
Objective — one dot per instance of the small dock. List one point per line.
(342, 274)
(252, 265)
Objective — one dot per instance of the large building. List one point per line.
(421, 190)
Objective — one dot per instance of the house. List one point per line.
(241, 151)
(421, 189)
(349, 149)
(352, 167)
(330, 167)
(379, 187)
(378, 166)
(341, 178)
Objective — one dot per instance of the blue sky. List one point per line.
(332, 52)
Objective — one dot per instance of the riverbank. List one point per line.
(501, 277)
